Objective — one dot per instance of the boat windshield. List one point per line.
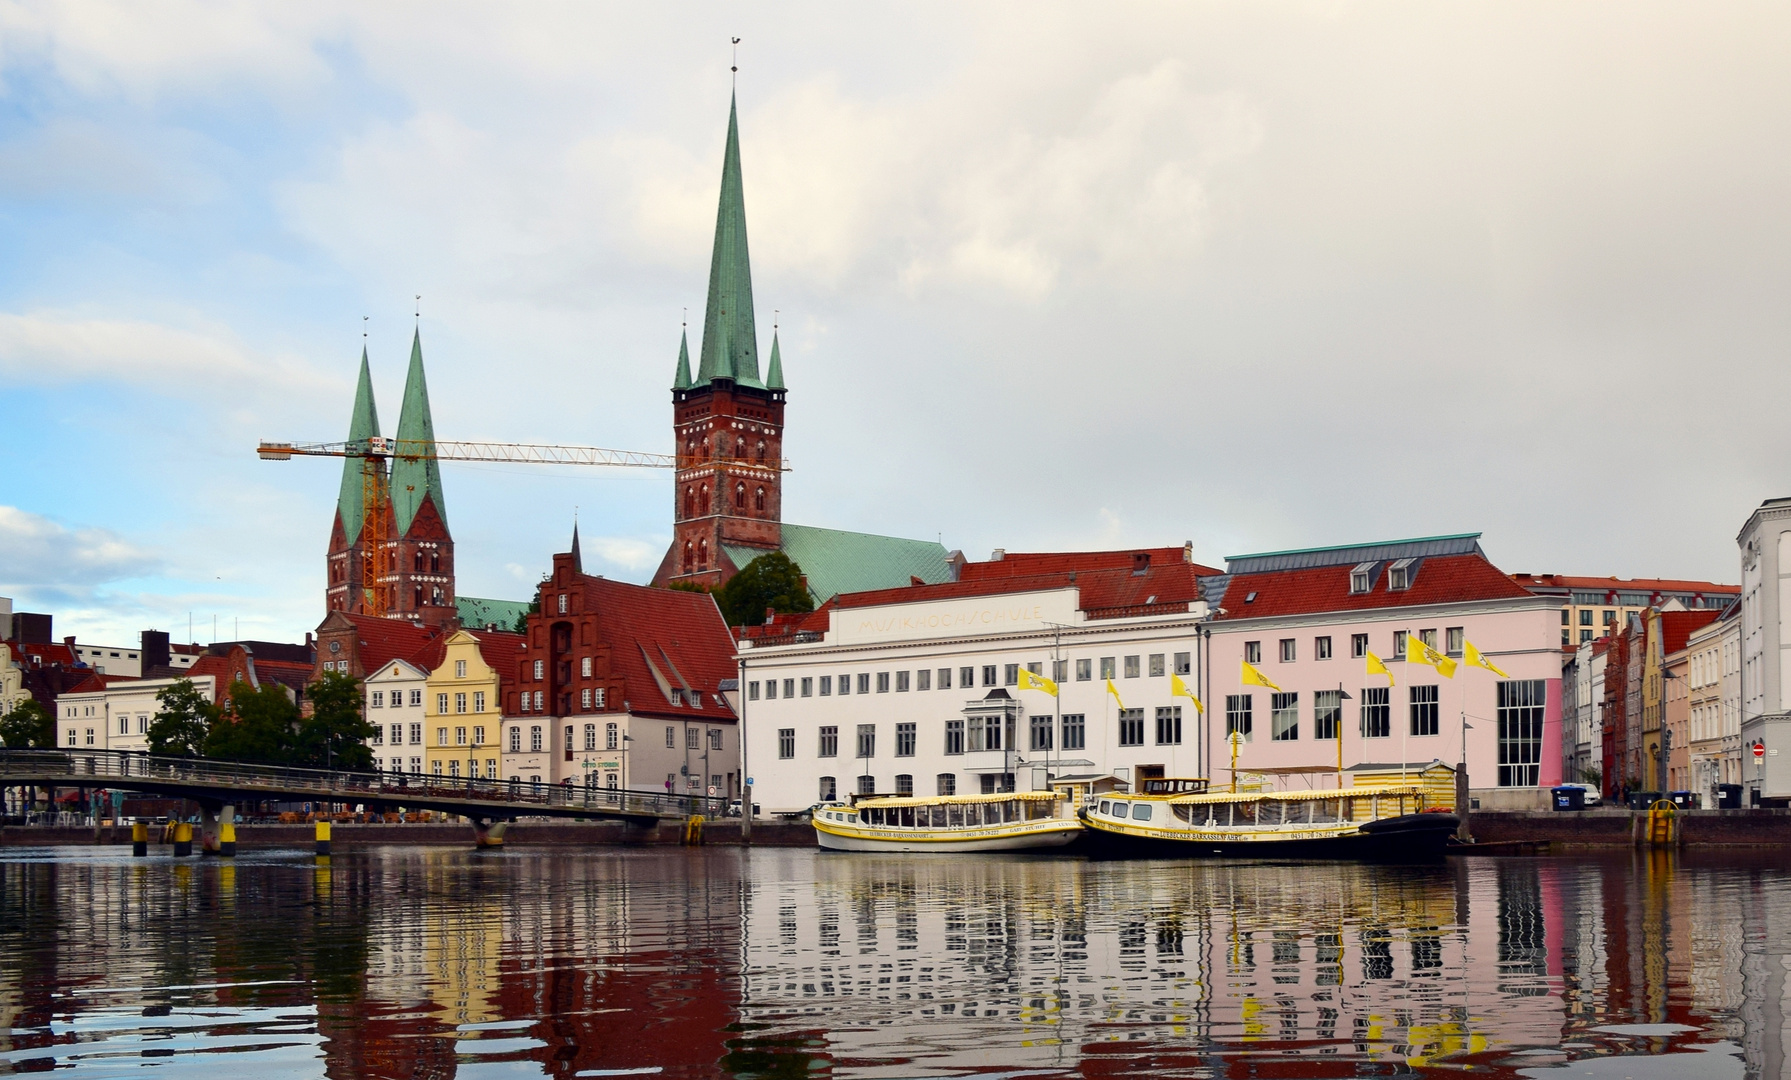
(1174, 786)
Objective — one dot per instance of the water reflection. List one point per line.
(440, 963)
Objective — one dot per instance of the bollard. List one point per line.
(323, 837)
(227, 839)
(139, 839)
(183, 838)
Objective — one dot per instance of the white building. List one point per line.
(1765, 683)
(392, 702)
(1713, 686)
(118, 716)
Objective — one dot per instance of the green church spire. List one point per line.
(774, 375)
(363, 424)
(683, 380)
(415, 480)
(730, 340)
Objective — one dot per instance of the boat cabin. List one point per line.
(1173, 785)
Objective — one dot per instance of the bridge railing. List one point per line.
(116, 768)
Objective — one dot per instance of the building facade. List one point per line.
(1594, 607)
(463, 702)
(1765, 543)
(1713, 682)
(114, 712)
(392, 702)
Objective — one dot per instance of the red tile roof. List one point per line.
(385, 640)
(1438, 579)
(1033, 563)
(1615, 584)
(41, 654)
(1677, 626)
(1101, 593)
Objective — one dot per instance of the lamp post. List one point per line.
(1660, 767)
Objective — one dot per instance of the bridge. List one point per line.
(220, 786)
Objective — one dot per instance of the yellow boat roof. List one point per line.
(947, 800)
(1284, 796)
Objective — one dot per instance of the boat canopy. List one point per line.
(1293, 796)
(961, 800)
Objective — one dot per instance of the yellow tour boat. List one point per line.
(1382, 822)
(1006, 821)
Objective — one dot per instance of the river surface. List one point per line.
(430, 962)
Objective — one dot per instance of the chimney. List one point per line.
(1140, 563)
(154, 650)
(1187, 551)
(998, 554)
(69, 643)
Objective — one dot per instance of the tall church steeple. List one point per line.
(417, 479)
(359, 542)
(422, 573)
(363, 425)
(730, 340)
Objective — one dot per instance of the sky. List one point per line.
(1049, 276)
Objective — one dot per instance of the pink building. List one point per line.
(1309, 621)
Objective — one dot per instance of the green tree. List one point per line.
(522, 617)
(335, 734)
(183, 721)
(28, 726)
(259, 726)
(772, 580)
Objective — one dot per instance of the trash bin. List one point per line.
(1683, 800)
(1642, 800)
(1728, 796)
(1569, 798)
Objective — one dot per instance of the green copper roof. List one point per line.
(362, 425)
(730, 340)
(415, 480)
(682, 382)
(774, 375)
(477, 613)
(839, 562)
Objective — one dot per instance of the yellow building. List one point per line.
(462, 704)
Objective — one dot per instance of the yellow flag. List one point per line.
(1115, 694)
(1178, 688)
(1375, 667)
(1417, 652)
(1029, 681)
(1253, 677)
(1475, 658)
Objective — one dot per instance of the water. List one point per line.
(412, 962)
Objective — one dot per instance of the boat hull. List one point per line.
(1057, 835)
(1407, 838)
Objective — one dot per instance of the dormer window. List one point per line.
(1361, 579)
(1399, 575)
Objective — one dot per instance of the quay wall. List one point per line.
(1616, 828)
(519, 834)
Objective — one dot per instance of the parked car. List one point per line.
(1592, 796)
(734, 809)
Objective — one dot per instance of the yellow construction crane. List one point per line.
(375, 485)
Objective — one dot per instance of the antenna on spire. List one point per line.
(419, 305)
(774, 320)
(736, 68)
(364, 319)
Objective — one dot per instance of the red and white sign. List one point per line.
(1759, 750)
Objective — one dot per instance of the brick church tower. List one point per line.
(391, 553)
(727, 421)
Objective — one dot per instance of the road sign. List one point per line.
(1759, 750)
(749, 781)
(711, 790)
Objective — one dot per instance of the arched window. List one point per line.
(760, 451)
(705, 448)
(435, 562)
(739, 496)
(417, 562)
(758, 500)
(419, 596)
(703, 499)
(690, 502)
(702, 554)
(689, 556)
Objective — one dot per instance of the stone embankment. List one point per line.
(1626, 828)
(724, 833)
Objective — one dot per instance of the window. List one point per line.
(610, 737)
(1109, 667)
(584, 667)
(1327, 714)
(1424, 709)
(1361, 578)
(1084, 670)
(1398, 645)
(1284, 717)
(1237, 715)
(693, 739)
(1399, 575)
(923, 680)
(829, 790)
(379, 699)
(671, 738)
(1252, 652)
(124, 723)
(459, 736)
(864, 683)
(904, 784)
(808, 687)
(1074, 731)
(715, 739)
(535, 742)
(460, 669)
(989, 675)
(982, 733)
(460, 702)
(1428, 637)
(945, 678)
(1321, 648)
(398, 735)
(1131, 727)
(478, 701)
(1157, 666)
(1169, 726)
(416, 734)
(1041, 732)
(1184, 663)
(1288, 650)
(867, 741)
(1585, 616)
(845, 684)
(584, 699)
(1521, 703)
(946, 783)
(867, 785)
(905, 740)
(441, 704)
(829, 745)
(752, 691)
(954, 736)
(882, 682)
(789, 688)
(1010, 675)
(1452, 639)
(827, 686)
(562, 603)
(1358, 645)
(441, 736)
(771, 689)
(786, 743)
(901, 682)
(1377, 712)
(540, 669)
(966, 677)
(416, 699)
(1585, 636)
(1132, 668)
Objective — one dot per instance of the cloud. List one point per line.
(37, 553)
(49, 347)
